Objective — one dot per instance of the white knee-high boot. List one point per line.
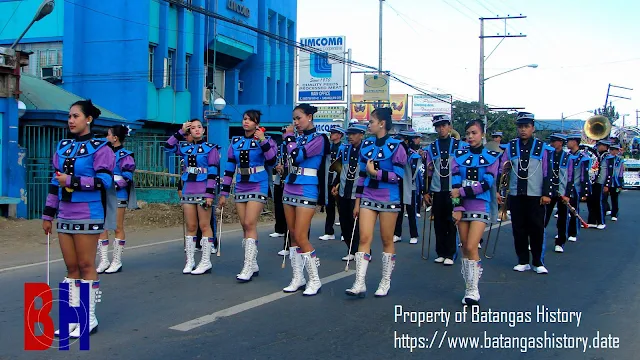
(471, 272)
(190, 253)
(94, 297)
(103, 247)
(362, 263)
(311, 263)
(204, 266)
(74, 300)
(116, 263)
(250, 267)
(298, 281)
(388, 263)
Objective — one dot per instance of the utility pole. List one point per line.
(483, 59)
(606, 101)
(380, 43)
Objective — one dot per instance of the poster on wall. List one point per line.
(362, 110)
(359, 109)
(376, 87)
(319, 77)
(399, 104)
(425, 107)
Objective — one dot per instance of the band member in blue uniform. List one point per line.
(249, 156)
(578, 182)
(410, 187)
(601, 183)
(378, 194)
(83, 177)
(530, 190)
(474, 172)
(200, 174)
(344, 186)
(335, 138)
(438, 159)
(559, 167)
(617, 180)
(303, 191)
(280, 172)
(123, 180)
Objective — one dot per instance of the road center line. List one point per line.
(236, 309)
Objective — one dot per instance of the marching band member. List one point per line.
(281, 171)
(123, 180)
(382, 161)
(474, 172)
(249, 154)
(83, 176)
(336, 134)
(579, 184)
(559, 167)
(530, 191)
(415, 145)
(600, 186)
(410, 190)
(617, 180)
(201, 169)
(302, 192)
(344, 186)
(438, 159)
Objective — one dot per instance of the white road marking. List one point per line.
(207, 319)
(128, 248)
(236, 309)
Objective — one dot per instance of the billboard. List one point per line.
(362, 110)
(425, 107)
(319, 78)
(376, 87)
(325, 126)
(330, 112)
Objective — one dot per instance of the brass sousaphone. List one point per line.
(597, 127)
(455, 134)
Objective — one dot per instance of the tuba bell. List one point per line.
(597, 127)
(455, 134)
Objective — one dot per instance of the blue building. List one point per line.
(155, 64)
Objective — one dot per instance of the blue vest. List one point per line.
(382, 157)
(197, 156)
(618, 181)
(75, 158)
(248, 154)
(581, 163)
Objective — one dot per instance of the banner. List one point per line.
(319, 78)
(376, 87)
(360, 110)
(330, 112)
(425, 107)
(399, 104)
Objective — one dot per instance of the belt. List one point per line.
(196, 170)
(117, 177)
(250, 170)
(303, 171)
(470, 183)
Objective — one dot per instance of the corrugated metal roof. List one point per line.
(38, 94)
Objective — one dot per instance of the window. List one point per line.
(151, 51)
(186, 73)
(169, 66)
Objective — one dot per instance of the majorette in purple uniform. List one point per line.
(201, 169)
(382, 162)
(302, 192)
(474, 171)
(83, 168)
(250, 156)
(126, 193)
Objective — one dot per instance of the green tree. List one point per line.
(609, 112)
(496, 121)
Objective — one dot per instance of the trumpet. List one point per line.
(503, 185)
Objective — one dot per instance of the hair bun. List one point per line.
(313, 109)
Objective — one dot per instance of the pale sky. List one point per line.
(580, 46)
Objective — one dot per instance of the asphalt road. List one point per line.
(596, 277)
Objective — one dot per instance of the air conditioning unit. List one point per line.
(51, 71)
(240, 85)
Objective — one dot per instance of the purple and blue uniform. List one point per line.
(306, 156)
(249, 157)
(382, 191)
(474, 172)
(123, 175)
(201, 167)
(79, 206)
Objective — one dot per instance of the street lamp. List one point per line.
(562, 117)
(623, 118)
(482, 80)
(45, 9)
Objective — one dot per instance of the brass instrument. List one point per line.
(597, 127)
(455, 134)
(503, 185)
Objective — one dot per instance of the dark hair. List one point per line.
(87, 108)
(383, 114)
(120, 131)
(253, 115)
(307, 109)
(478, 122)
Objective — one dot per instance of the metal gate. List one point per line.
(40, 142)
